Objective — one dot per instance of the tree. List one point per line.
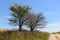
(35, 21)
(18, 16)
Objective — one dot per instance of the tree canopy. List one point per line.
(19, 14)
(22, 15)
(35, 21)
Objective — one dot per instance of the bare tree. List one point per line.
(35, 21)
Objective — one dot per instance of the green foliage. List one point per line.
(18, 15)
(18, 12)
(22, 15)
(24, 35)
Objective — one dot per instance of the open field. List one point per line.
(23, 35)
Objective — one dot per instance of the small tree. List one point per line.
(35, 21)
(18, 16)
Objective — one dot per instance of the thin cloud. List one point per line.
(6, 17)
(9, 27)
(52, 27)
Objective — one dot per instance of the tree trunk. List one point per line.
(31, 29)
(20, 27)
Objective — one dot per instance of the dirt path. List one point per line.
(54, 37)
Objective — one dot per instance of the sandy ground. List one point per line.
(54, 37)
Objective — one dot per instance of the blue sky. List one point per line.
(50, 8)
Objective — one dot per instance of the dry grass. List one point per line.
(24, 35)
(2, 30)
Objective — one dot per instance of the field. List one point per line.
(23, 35)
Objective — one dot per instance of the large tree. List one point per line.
(18, 16)
(35, 21)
